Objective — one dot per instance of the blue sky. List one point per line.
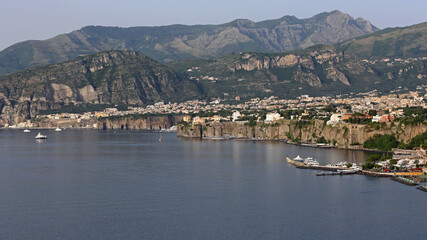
(41, 19)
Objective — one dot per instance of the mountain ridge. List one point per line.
(174, 42)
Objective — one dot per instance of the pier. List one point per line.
(305, 166)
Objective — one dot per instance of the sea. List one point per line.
(100, 184)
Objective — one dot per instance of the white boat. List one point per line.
(58, 129)
(299, 159)
(40, 136)
(311, 162)
(27, 130)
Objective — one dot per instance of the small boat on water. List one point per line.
(40, 136)
(27, 130)
(58, 129)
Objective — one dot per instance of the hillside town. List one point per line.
(367, 107)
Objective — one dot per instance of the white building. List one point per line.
(272, 117)
(335, 118)
(235, 115)
(376, 118)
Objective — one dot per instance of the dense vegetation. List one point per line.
(413, 115)
(381, 142)
(417, 141)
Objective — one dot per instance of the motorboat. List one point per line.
(27, 130)
(58, 129)
(40, 136)
(311, 162)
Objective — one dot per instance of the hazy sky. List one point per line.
(41, 19)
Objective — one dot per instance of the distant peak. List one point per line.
(243, 22)
(338, 12)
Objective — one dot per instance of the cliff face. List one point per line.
(112, 77)
(343, 135)
(305, 63)
(150, 122)
(178, 41)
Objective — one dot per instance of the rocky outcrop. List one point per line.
(343, 135)
(139, 122)
(58, 92)
(86, 94)
(306, 61)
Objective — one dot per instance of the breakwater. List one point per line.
(344, 135)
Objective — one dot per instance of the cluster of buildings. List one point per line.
(406, 161)
(387, 107)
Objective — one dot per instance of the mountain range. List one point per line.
(175, 42)
(383, 60)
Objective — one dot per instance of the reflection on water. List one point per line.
(87, 184)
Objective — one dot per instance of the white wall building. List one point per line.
(376, 118)
(335, 118)
(272, 117)
(235, 115)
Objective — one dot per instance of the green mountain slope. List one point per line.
(394, 42)
(179, 41)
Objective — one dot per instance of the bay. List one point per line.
(90, 184)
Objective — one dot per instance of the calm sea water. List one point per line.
(88, 184)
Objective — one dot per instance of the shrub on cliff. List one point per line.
(417, 141)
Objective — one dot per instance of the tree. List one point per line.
(372, 112)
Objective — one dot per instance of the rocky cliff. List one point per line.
(343, 135)
(142, 122)
(305, 62)
(319, 70)
(112, 77)
(178, 41)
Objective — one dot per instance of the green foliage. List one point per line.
(321, 140)
(368, 166)
(373, 158)
(381, 142)
(251, 123)
(345, 131)
(413, 115)
(417, 141)
(372, 112)
(376, 126)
